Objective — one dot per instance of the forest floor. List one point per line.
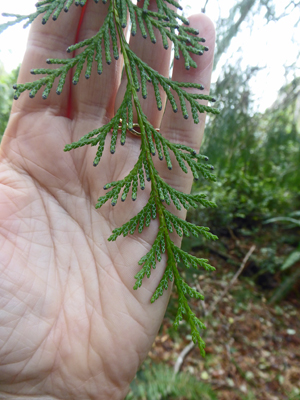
(252, 348)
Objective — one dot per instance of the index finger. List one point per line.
(48, 40)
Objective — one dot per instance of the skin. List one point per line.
(71, 326)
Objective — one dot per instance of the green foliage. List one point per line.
(157, 382)
(6, 93)
(289, 262)
(256, 155)
(293, 257)
(186, 41)
(257, 159)
(294, 397)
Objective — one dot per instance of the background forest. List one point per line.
(252, 300)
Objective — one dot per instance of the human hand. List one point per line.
(71, 326)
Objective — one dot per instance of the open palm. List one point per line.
(71, 326)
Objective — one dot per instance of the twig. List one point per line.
(211, 309)
(204, 8)
(182, 356)
(233, 280)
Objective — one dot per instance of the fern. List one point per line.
(157, 381)
(170, 26)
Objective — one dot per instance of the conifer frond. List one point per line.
(116, 187)
(172, 28)
(148, 261)
(189, 260)
(47, 7)
(141, 220)
(164, 282)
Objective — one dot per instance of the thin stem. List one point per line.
(139, 111)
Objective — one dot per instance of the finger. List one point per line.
(48, 41)
(174, 127)
(94, 97)
(158, 58)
